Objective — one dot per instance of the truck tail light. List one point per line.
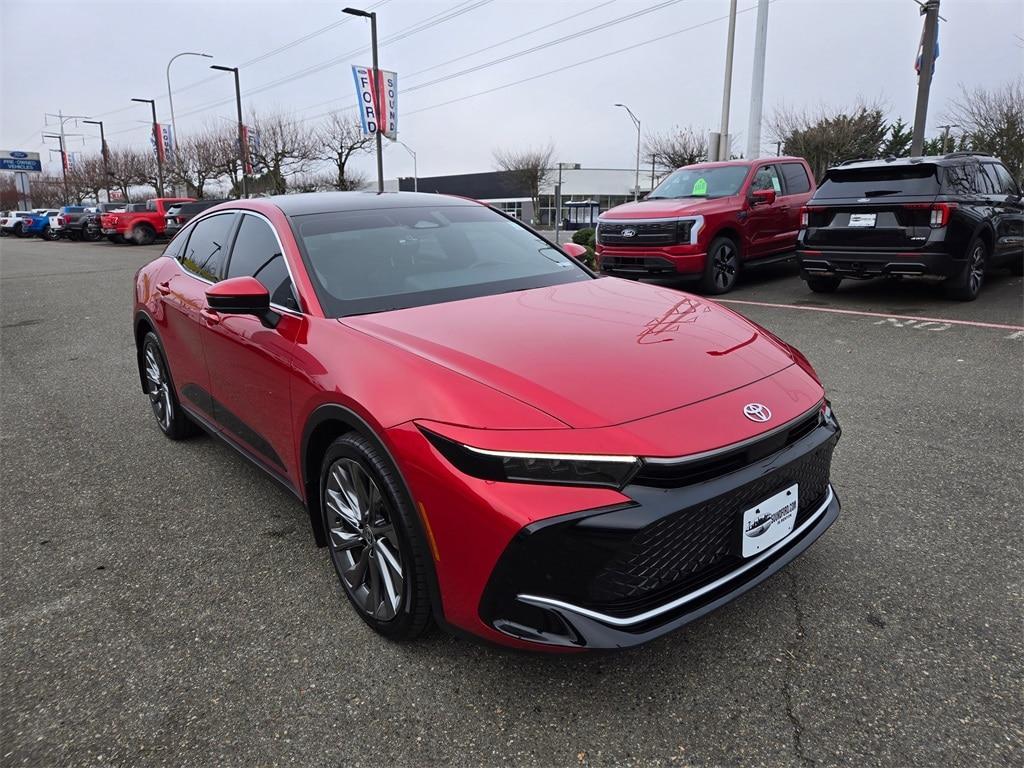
(60, 221)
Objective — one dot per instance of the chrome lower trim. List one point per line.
(617, 621)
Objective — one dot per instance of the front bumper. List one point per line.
(620, 576)
(651, 260)
(866, 264)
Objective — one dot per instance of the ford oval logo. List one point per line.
(629, 232)
(757, 412)
(19, 155)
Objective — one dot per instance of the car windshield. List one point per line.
(394, 258)
(723, 181)
(879, 181)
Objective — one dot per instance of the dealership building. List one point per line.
(586, 192)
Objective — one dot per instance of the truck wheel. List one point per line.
(19, 230)
(88, 235)
(823, 284)
(143, 234)
(48, 234)
(967, 285)
(721, 267)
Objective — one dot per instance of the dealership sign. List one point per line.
(16, 160)
(162, 141)
(371, 92)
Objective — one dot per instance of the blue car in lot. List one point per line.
(38, 223)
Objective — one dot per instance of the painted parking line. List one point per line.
(882, 315)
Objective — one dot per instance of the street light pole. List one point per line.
(243, 150)
(636, 122)
(157, 139)
(372, 16)
(723, 138)
(558, 195)
(930, 11)
(757, 81)
(170, 101)
(105, 154)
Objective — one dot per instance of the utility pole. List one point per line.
(372, 16)
(945, 136)
(170, 101)
(105, 153)
(243, 150)
(930, 11)
(723, 137)
(558, 194)
(62, 119)
(157, 138)
(415, 173)
(636, 122)
(757, 81)
(63, 162)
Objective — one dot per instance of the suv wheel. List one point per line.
(721, 268)
(823, 284)
(373, 538)
(169, 416)
(966, 285)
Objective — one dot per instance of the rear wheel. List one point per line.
(373, 539)
(967, 285)
(169, 416)
(823, 284)
(143, 234)
(89, 235)
(722, 267)
(19, 230)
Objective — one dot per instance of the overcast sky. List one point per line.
(91, 58)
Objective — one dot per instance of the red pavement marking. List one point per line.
(974, 323)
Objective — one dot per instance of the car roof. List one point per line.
(744, 162)
(331, 202)
(954, 158)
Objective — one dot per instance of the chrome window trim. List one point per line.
(244, 212)
(675, 461)
(697, 219)
(554, 456)
(616, 621)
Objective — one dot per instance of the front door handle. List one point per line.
(163, 288)
(211, 317)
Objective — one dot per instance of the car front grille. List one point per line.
(644, 233)
(684, 551)
(636, 264)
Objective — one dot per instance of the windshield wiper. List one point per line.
(880, 192)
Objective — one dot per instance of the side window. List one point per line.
(1006, 185)
(767, 178)
(256, 252)
(177, 244)
(986, 181)
(207, 247)
(960, 179)
(796, 178)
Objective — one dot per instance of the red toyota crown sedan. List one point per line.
(484, 433)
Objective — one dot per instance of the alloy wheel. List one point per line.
(724, 266)
(363, 541)
(976, 268)
(159, 388)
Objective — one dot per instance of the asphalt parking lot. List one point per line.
(163, 604)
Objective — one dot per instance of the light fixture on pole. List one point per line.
(636, 122)
(170, 100)
(372, 16)
(105, 154)
(243, 150)
(159, 155)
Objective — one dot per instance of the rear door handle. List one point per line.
(211, 317)
(163, 288)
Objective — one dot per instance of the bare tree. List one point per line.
(86, 178)
(532, 168)
(338, 140)
(130, 169)
(992, 121)
(825, 136)
(199, 161)
(674, 149)
(285, 147)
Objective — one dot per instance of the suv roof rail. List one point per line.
(855, 160)
(967, 154)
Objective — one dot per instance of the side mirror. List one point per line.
(575, 250)
(762, 197)
(242, 296)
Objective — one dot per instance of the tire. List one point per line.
(967, 285)
(19, 231)
(88, 235)
(373, 538)
(823, 284)
(48, 234)
(143, 234)
(722, 267)
(169, 416)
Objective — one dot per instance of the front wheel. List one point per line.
(967, 284)
(373, 538)
(722, 267)
(169, 416)
(19, 231)
(821, 284)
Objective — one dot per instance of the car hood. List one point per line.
(591, 354)
(657, 209)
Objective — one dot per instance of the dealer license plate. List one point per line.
(770, 521)
(863, 219)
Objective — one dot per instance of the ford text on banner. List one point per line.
(387, 88)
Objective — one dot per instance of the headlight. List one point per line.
(683, 229)
(545, 468)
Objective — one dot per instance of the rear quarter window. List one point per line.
(796, 178)
(879, 181)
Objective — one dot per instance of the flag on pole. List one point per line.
(920, 50)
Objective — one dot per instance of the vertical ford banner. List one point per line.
(386, 86)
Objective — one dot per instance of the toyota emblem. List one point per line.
(629, 232)
(757, 412)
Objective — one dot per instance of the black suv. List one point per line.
(179, 214)
(948, 217)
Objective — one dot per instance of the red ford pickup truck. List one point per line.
(708, 221)
(142, 227)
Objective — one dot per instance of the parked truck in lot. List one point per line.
(708, 221)
(141, 227)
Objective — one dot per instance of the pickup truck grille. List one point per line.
(644, 233)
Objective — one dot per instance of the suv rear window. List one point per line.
(917, 179)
